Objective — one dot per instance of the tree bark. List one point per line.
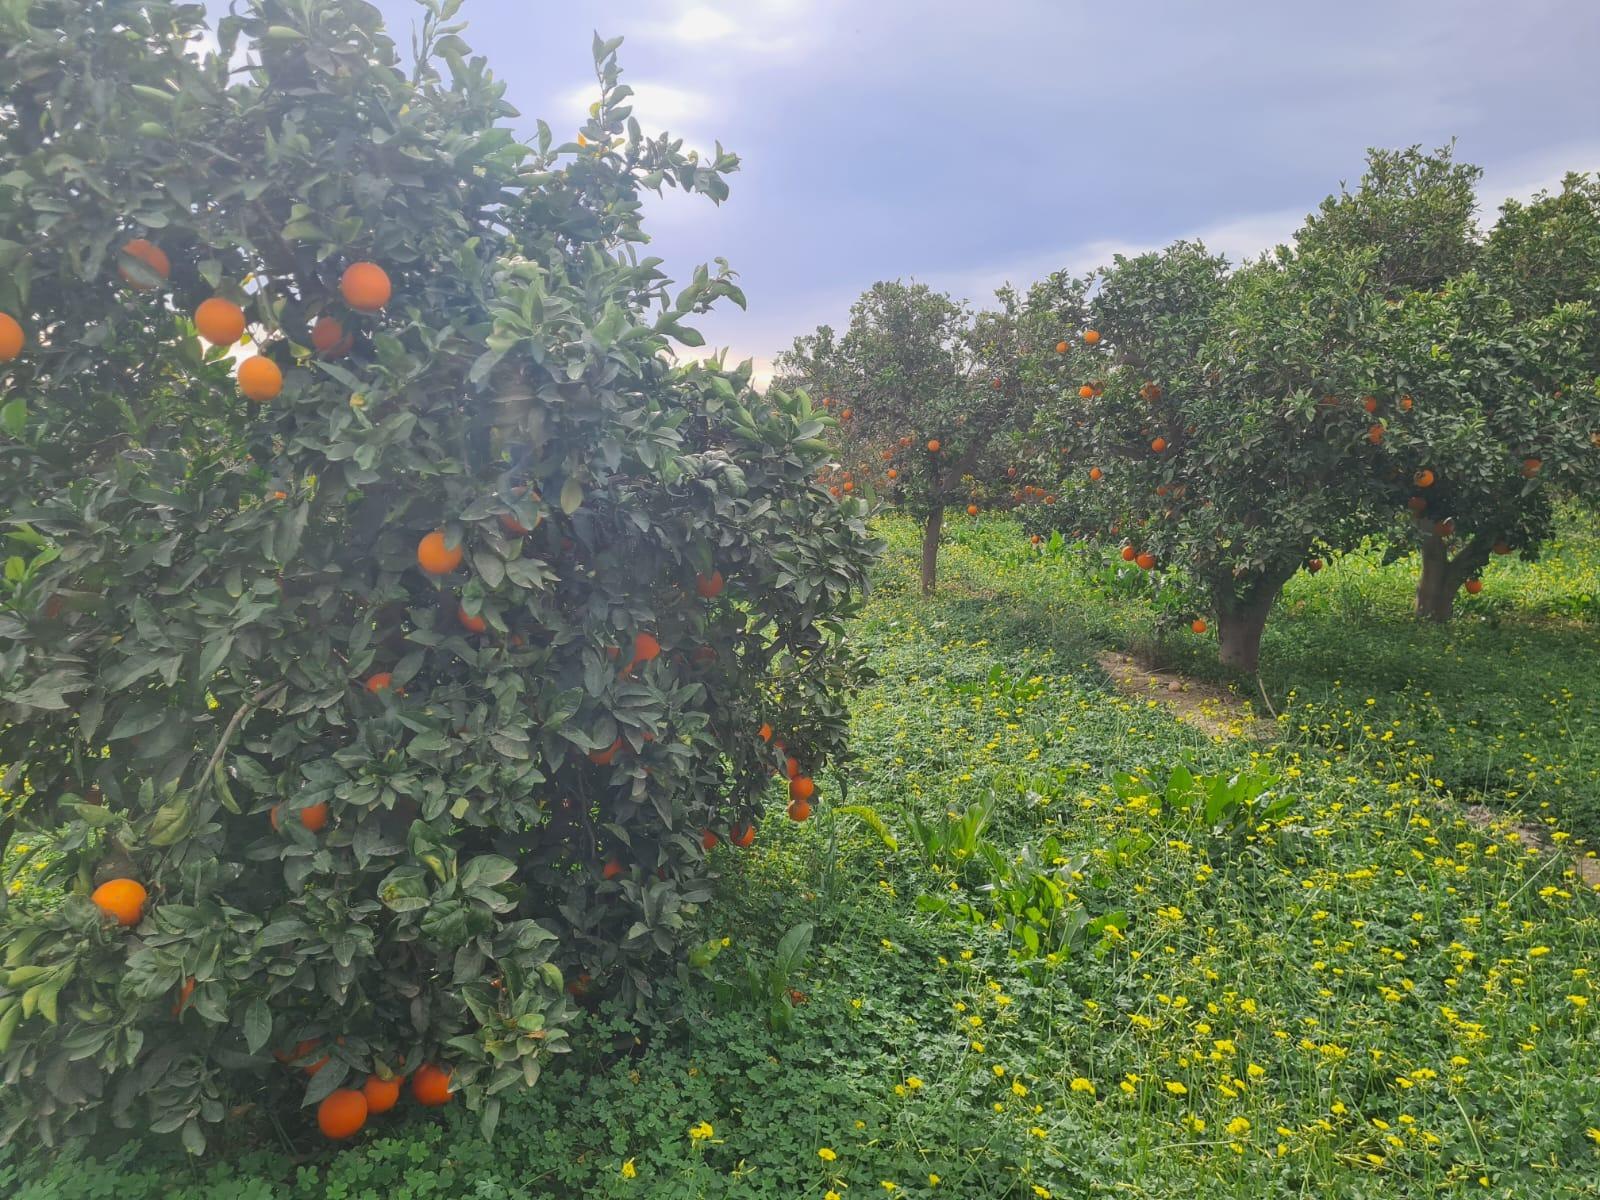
(1442, 577)
(930, 549)
(1239, 635)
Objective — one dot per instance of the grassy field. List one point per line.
(1061, 945)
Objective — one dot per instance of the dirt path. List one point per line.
(1206, 706)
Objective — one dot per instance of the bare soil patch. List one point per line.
(1210, 707)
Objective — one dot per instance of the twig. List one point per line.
(244, 710)
(1264, 700)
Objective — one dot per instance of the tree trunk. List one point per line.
(1442, 577)
(1239, 636)
(1241, 619)
(930, 549)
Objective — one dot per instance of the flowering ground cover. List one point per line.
(1043, 941)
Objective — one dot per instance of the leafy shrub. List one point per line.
(408, 693)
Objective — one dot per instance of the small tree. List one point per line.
(1224, 437)
(377, 697)
(1496, 373)
(929, 399)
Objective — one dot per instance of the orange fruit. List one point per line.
(1199, 625)
(1150, 392)
(430, 1086)
(260, 379)
(313, 816)
(1375, 434)
(329, 339)
(1129, 554)
(121, 898)
(342, 1113)
(1370, 403)
(849, 485)
(1091, 337)
(802, 787)
(933, 445)
(219, 321)
(1061, 347)
(469, 622)
(434, 557)
(765, 732)
(846, 414)
(365, 287)
(612, 869)
(184, 993)
(743, 835)
(1530, 467)
(1096, 474)
(799, 810)
(1417, 505)
(11, 338)
(972, 510)
(645, 647)
(382, 1094)
(602, 758)
(893, 474)
(1086, 391)
(1502, 548)
(1159, 445)
(1146, 561)
(151, 261)
(708, 839)
(381, 682)
(1314, 565)
(1405, 403)
(1474, 586)
(1423, 478)
(791, 767)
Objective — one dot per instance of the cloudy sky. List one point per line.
(970, 142)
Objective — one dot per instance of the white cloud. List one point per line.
(657, 106)
(753, 28)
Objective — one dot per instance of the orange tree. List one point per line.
(367, 701)
(928, 399)
(1489, 350)
(1219, 442)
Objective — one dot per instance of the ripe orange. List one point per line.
(1129, 554)
(765, 732)
(1423, 478)
(11, 338)
(846, 413)
(151, 261)
(602, 758)
(1417, 505)
(342, 1113)
(1474, 586)
(121, 898)
(434, 557)
(933, 445)
(382, 1094)
(1159, 445)
(612, 869)
(1370, 403)
(1091, 337)
(1061, 347)
(1146, 561)
(329, 339)
(469, 622)
(708, 839)
(260, 379)
(893, 474)
(513, 526)
(381, 682)
(1086, 391)
(219, 321)
(849, 485)
(1375, 434)
(1096, 474)
(645, 647)
(1199, 625)
(1530, 467)
(972, 510)
(1150, 392)
(802, 787)
(313, 816)
(799, 810)
(184, 993)
(743, 835)
(430, 1086)
(365, 287)
(1405, 403)
(1445, 528)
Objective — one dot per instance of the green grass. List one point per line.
(1363, 996)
